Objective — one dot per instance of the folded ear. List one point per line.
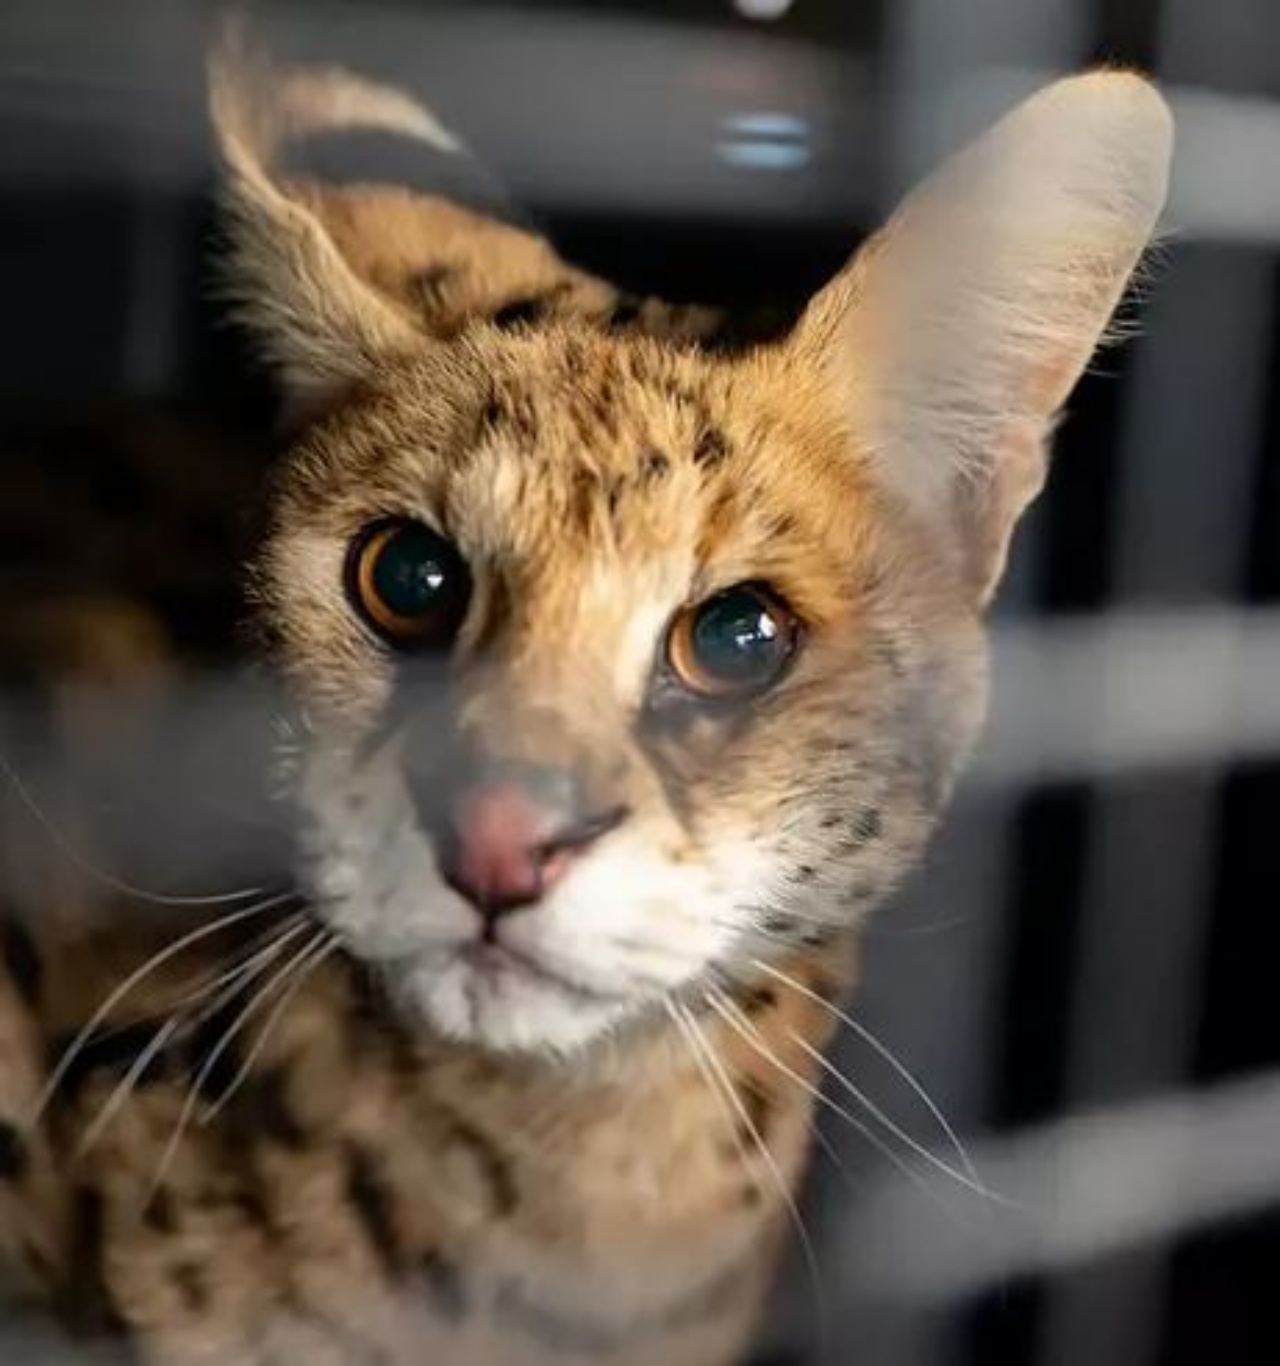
(957, 333)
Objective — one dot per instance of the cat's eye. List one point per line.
(409, 583)
(733, 644)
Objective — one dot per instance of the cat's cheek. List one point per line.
(634, 922)
(371, 876)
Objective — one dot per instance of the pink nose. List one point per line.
(499, 860)
(505, 849)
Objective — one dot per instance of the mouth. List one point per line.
(491, 964)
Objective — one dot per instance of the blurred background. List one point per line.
(1084, 979)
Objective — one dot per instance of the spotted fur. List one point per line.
(587, 1155)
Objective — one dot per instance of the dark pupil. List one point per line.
(736, 639)
(414, 572)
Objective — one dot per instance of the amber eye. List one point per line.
(735, 643)
(409, 584)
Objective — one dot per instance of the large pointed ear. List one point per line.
(957, 333)
(324, 328)
(339, 257)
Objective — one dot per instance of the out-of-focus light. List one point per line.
(764, 10)
(768, 125)
(765, 156)
(766, 140)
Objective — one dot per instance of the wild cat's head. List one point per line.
(623, 662)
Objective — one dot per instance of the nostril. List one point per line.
(502, 850)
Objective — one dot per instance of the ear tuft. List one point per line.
(960, 330)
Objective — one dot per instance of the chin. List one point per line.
(502, 1005)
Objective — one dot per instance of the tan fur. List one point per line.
(413, 1165)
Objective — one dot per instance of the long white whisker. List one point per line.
(677, 1017)
(235, 980)
(125, 1087)
(196, 1090)
(745, 1030)
(267, 948)
(264, 1034)
(139, 975)
(703, 1048)
(884, 1053)
(200, 991)
(896, 1130)
(101, 875)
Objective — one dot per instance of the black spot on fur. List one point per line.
(87, 1303)
(113, 1051)
(780, 923)
(159, 1214)
(21, 958)
(493, 1166)
(445, 1285)
(711, 449)
(806, 872)
(13, 1153)
(825, 987)
(251, 1204)
(188, 1280)
(209, 1047)
(867, 825)
(604, 415)
(757, 1105)
(755, 1000)
(818, 937)
(267, 1110)
(372, 1202)
(654, 465)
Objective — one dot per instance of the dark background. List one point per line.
(1080, 939)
